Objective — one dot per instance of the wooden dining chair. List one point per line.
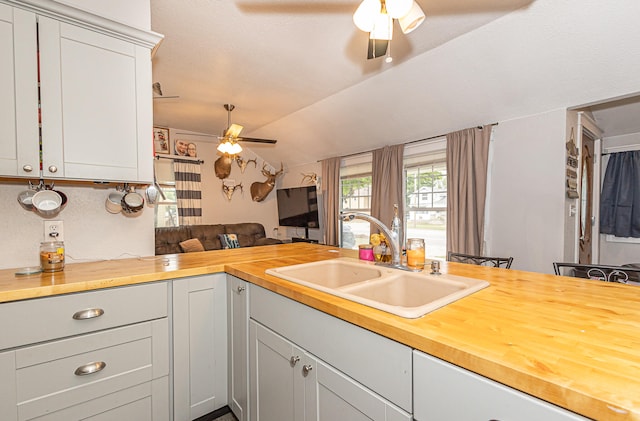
(480, 260)
(607, 273)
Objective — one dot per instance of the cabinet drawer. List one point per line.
(130, 404)
(49, 318)
(443, 391)
(48, 377)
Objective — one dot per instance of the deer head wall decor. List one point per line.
(260, 190)
(228, 190)
(309, 178)
(243, 164)
(222, 166)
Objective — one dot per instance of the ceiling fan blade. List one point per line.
(254, 140)
(166, 97)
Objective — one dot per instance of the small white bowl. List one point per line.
(47, 203)
(114, 202)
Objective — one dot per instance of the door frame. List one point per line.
(586, 123)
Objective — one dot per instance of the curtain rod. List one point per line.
(180, 158)
(623, 148)
(411, 142)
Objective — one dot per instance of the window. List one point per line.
(166, 210)
(355, 195)
(426, 203)
(425, 181)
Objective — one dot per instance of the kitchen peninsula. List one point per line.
(572, 342)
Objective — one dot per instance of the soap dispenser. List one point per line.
(395, 225)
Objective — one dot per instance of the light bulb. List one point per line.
(412, 19)
(365, 15)
(398, 8)
(383, 28)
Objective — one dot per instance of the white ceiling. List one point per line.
(296, 70)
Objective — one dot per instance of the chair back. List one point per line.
(607, 273)
(480, 260)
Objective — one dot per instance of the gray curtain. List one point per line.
(620, 200)
(330, 199)
(386, 185)
(188, 192)
(467, 161)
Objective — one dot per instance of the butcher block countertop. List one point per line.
(569, 341)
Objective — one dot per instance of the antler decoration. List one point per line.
(260, 190)
(228, 190)
(309, 178)
(243, 164)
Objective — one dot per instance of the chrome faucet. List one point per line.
(391, 236)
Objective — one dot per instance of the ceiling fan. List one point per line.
(232, 133)
(157, 92)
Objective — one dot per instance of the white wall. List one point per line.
(91, 233)
(527, 191)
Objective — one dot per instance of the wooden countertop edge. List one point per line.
(380, 322)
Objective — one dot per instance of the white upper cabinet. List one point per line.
(95, 96)
(19, 154)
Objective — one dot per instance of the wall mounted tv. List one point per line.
(298, 207)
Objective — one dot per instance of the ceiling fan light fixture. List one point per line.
(398, 8)
(365, 15)
(412, 19)
(229, 147)
(383, 28)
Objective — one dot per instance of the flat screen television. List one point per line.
(298, 207)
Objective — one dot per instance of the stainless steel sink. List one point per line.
(404, 294)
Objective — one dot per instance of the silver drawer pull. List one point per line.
(89, 313)
(240, 289)
(90, 368)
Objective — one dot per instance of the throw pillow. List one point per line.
(191, 245)
(229, 241)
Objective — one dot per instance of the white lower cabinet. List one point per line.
(199, 345)
(238, 313)
(444, 391)
(89, 357)
(290, 384)
(307, 365)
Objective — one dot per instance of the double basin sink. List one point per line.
(406, 294)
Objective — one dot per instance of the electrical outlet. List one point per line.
(53, 231)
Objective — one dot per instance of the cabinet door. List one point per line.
(277, 390)
(238, 303)
(8, 397)
(443, 391)
(199, 345)
(19, 154)
(333, 396)
(93, 101)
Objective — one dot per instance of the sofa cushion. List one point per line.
(208, 235)
(248, 233)
(191, 245)
(168, 239)
(229, 241)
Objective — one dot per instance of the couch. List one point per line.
(248, 234)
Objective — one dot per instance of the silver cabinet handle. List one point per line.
(306, 369)
(294, 360)
(27, 168)
(53, 169)
(241, 288)
(89, 313)
(90, 368)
